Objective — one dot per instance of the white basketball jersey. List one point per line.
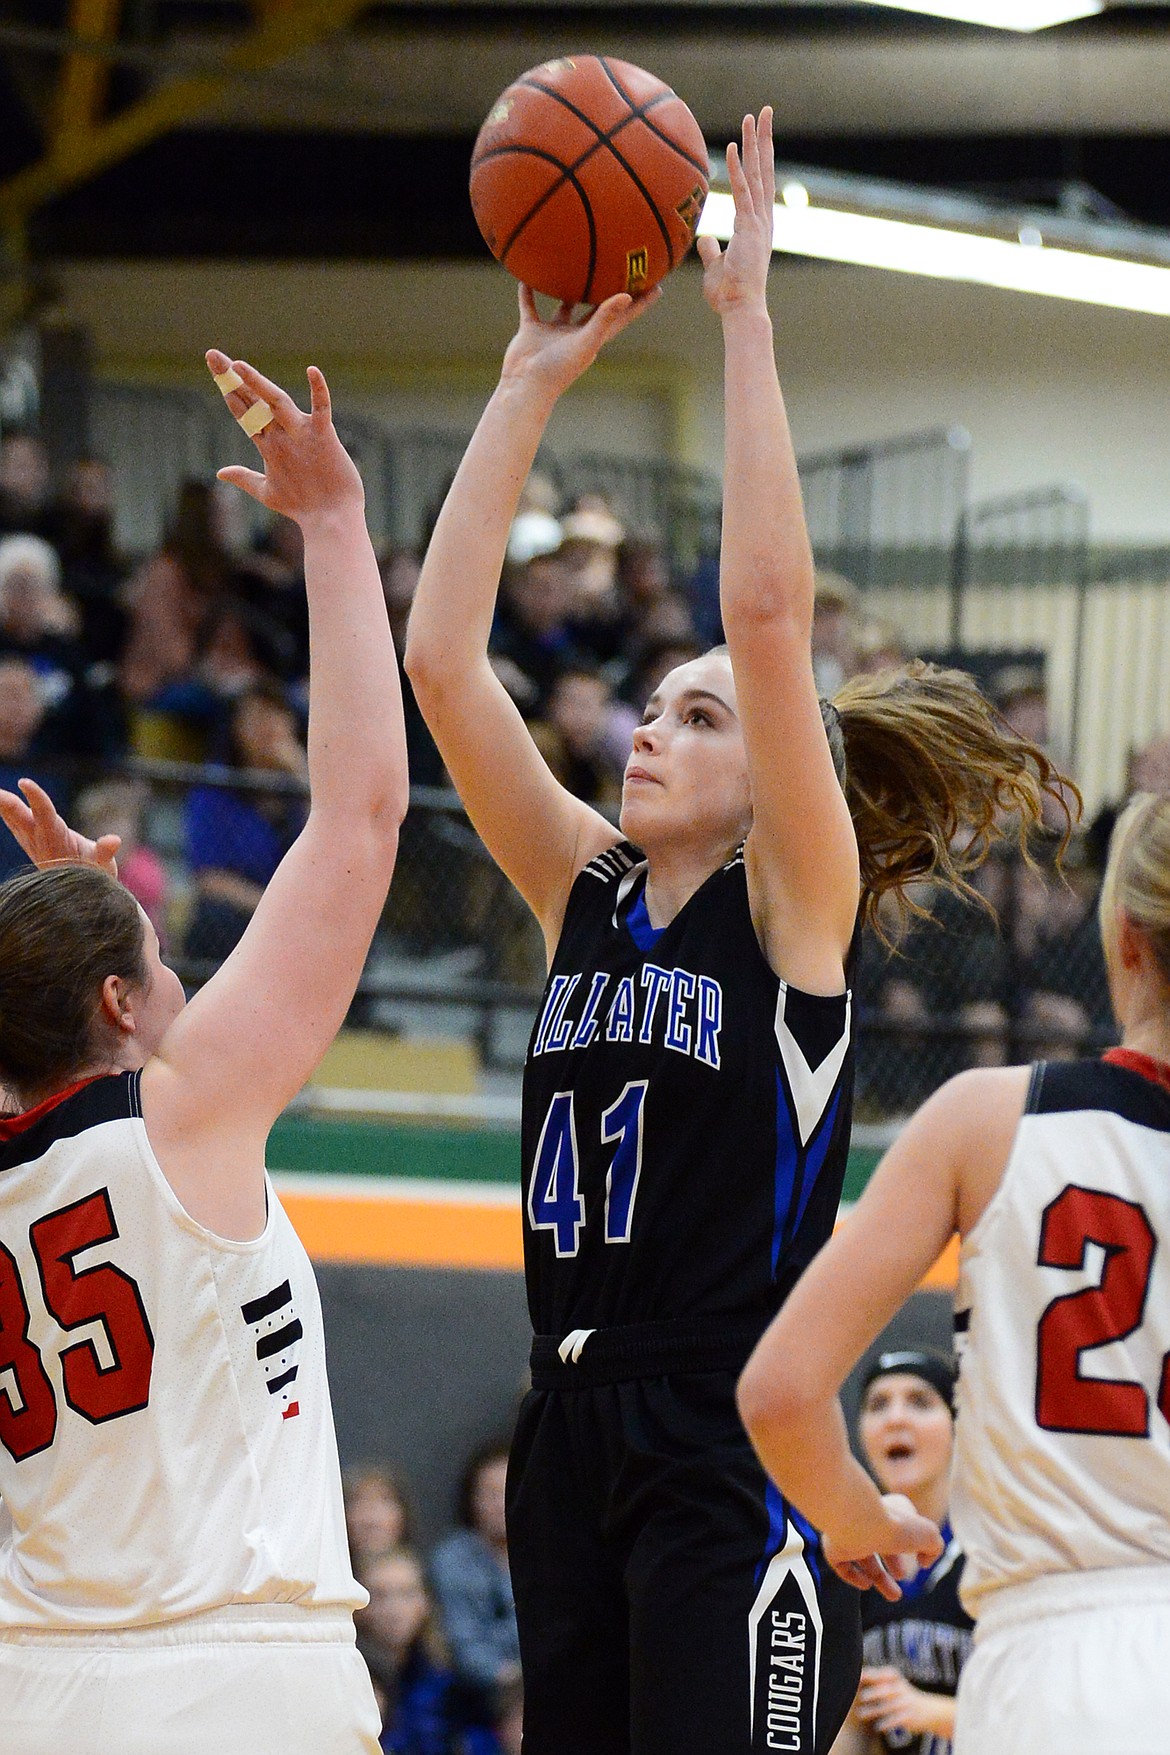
(166, 1438)
(1062, 1458)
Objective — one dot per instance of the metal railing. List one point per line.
(456, 952)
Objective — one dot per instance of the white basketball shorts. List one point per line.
(1074, 1663)
(257, 1680)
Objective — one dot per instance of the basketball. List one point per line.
(588, 179)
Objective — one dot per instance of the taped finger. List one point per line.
(256, 418)
(226, 382)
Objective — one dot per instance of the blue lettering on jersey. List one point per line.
(561, 1027)
(683, 1012)
(655, 981)
(556, 994)
(620, 1025)
(710, 1021)
(587, 1028)
(682, 989)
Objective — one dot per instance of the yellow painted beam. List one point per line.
(75, 158)
(81, 85)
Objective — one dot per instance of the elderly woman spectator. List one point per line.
(39, 624)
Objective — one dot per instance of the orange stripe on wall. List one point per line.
(397, 1232)
(405, 1232)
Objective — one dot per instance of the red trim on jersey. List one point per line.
(11, 1125)
(291, 1412)
(1157, 1071)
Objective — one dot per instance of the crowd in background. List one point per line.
(439, 1633)
(198, 653)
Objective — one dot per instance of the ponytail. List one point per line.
(933, 776)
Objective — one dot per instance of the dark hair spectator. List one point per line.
(170, 599)
(400, 569)
(21, 714)
(399, 1638)
(24, 484)
(236, 838)
(82, 528)
(532, 625)
(472, 1580)
(574, 737)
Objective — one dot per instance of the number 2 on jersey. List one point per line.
(1077, 1322)
(555, 1202)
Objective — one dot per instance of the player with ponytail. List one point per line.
(689, 1079)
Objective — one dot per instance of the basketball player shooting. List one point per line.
(177, 1579)
(688, 1088)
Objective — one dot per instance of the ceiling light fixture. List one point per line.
(912, 231)
(1017, 15)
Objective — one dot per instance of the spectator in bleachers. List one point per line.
(877, 646)
(170, 598)
(531, 631)
(270, 582)
(116, 807)
(377, 1511)
(836, 621)
(39, 624)
(21, 714)
(472, 1580)
(574, 737)
(599, 615)
(24, 485)
(399, 1638)
(92, 571)
(400, 570)
(237, 838)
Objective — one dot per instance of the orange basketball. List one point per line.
(588, 179)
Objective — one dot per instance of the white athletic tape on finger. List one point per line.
(226, 382)
(255, 419)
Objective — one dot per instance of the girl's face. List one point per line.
(907, 1433)
(374, 1518)
(398, 1606)
(487, 1499)
(687, 776)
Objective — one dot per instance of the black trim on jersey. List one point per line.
(257, 1309)
(1064, 1086)
(275, 1384)
(279, 1340)
(816, 1021)
(105, 1099)
(961, 1321)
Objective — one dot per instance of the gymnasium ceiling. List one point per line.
(313, 128)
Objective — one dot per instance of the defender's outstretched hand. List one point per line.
(553, 352)
(738, 275)
(907, 1542)
(47, 838)
(307, 470)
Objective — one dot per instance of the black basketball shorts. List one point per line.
(669, 1601)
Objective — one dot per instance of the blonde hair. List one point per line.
(1137, 874)
(934, 776)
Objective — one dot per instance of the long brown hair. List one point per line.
(933, 776)
(62, 931)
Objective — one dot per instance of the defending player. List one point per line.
(1056, 1176)
(688, 1087)
(177, 1580)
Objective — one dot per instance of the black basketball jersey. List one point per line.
(686, 1112)
(926, 1635)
